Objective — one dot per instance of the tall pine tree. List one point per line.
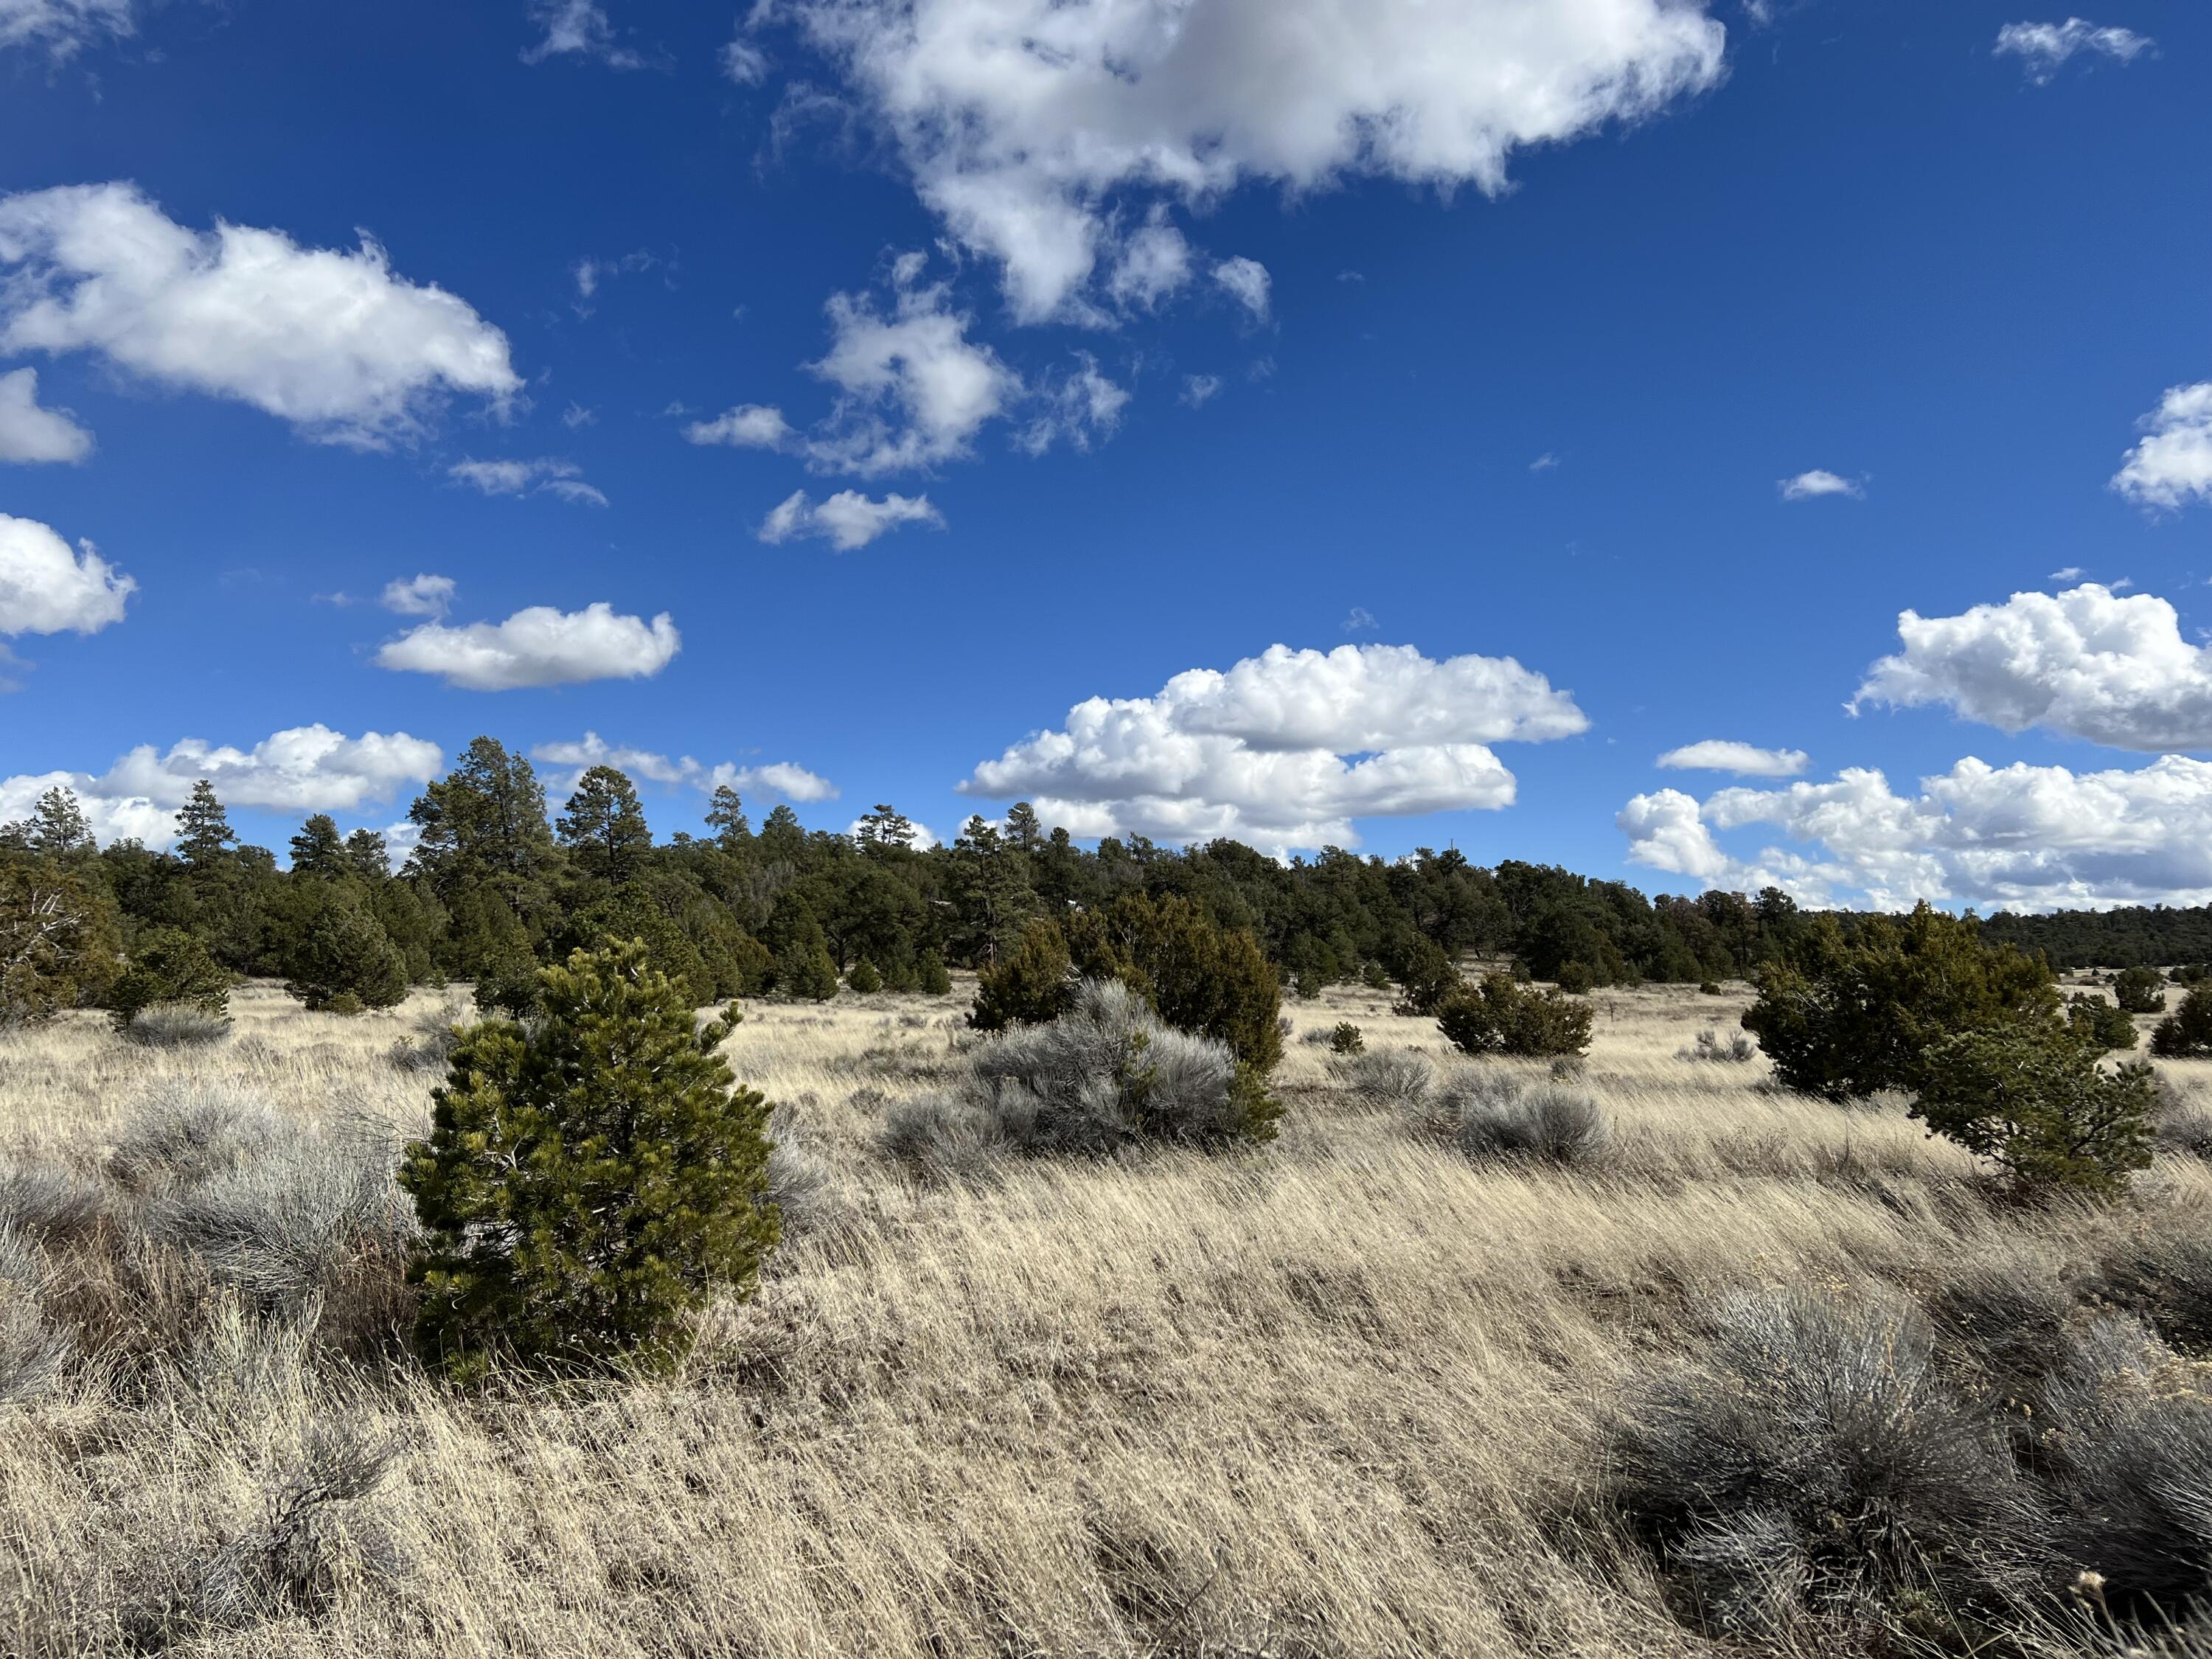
(604, 826)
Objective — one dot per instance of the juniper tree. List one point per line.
(59, 940)
(340, 958)
(604, 826)
(168, 967)
(1032, 984)
(588, 1180)
(2139, 991)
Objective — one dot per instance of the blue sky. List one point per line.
(1953, 257)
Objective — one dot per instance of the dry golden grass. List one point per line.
(1342, 1394)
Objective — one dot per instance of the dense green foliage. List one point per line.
(2140, 990)
(169, 967)
(2098, 1026)
(588, 1178)
(2155, 937)
(58, 939)
(1031, 984)
(1499, 1015)
(1847, 1011)
(2186, 1033)
(2030, 1097)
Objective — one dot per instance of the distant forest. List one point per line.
(497, 883)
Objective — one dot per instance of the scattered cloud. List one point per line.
(783, 778)
(1350, 277)
(1075, 408)
(848, 520)
(419, 596)
(45, 588)
(2020, 835)
(546, 476)
(590, 274)
(1246, 282)
(744, 63)
(63, 25)
(306, 768)
(2045, 48)
(1810, 486)
(2173, 462)
(2087, 663)
(334, 343)
(913, 390)
(1546, 462)
(1285, 748)
(577, 28)
(30, 433)
(1024, 123)
(1361, 621)
(1722, 754)
(2072, 572)
(537, 647)
(1153, 264)
(1200, 390)
(577, 416)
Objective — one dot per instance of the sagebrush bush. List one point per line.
(2161, 1267)
(1814, 1465)
(1494, 1114)
(1500, 1015)
(1735, 1049)
(1107, 1074)
(1394, 1077)
(800, 1185)
(55, 1207)
(34, 1351)
(589, 1179)
(186, 1131)
(2126, 1443)
(176, 1025)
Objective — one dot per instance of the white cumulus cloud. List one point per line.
(306, 768)
(2033, 837)
(2087, 663)
(1025, 122)
(2045, 48)
(29, 432)
(2173, 462)
(1745, 760)
(847, 520)
(334, 342)
(45, 588)
(562, 478)
(1810, 486)
(1246, 282)
(1285, 748)
(537, 647)
(912, 389)
(784, 778)
(419, 596)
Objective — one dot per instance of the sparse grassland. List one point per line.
(1354, 1392)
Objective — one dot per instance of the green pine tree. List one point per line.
(604, 826)
(169, 966)
(58, 827)
(318, 850)
(483, 826)
(726, 817)
(368, 855)
(589, 1181)
(203, 832)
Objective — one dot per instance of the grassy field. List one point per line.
(1352, 1393)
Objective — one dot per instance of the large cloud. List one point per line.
(2173, 462)
(537, 647)
(1285, 748)
(62, 26)
(308, 769)
(334, 342)
(2020, 835)
(2086, 663)
(1027, 124)
(46, 589)
(29, 432)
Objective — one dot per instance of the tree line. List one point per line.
(499, 883)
